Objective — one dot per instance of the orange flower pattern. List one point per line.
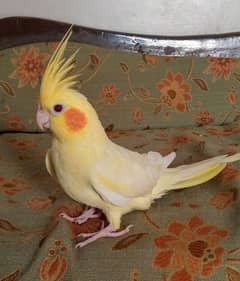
(191, 250)
(21, 144)
(90, 226)
(29, 65)
(151, 59)
(175, 92)
(39, 203)
(31, 201)
(15, 123)
(13, 186)
(138, 115)
(70, 208)
(183, 87)
(53, 46)
(54, 266)
(222, 200)
(110, 93)
(182, 140)
(224, 131)
(204, 118)
(232, 96)
(221, 67)
(229, 174)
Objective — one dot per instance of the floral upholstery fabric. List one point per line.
(129, 91)
(190, 105)
(191, 234)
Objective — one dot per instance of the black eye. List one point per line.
(58, 108)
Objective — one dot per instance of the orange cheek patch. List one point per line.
(75, 119)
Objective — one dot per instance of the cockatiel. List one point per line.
(95, 171)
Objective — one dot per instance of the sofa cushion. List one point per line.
(129, 91)
(192, 234)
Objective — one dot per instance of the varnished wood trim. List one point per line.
(17, 31)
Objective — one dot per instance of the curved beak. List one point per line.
(42, 119)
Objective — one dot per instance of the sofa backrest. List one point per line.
(128, 90)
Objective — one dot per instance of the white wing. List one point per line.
(123, 174)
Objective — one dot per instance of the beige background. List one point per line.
(162, 17)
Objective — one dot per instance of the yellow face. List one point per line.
(62, 110)
(65, 116)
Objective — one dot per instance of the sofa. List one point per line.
(146, 102)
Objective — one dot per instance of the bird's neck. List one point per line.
(93, 134)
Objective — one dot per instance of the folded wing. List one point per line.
(122, 174)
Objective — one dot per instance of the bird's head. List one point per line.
(63, 110)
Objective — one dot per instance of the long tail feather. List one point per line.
(190, 175)
(205, 176)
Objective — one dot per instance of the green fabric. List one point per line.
(189, 235)
(194, 226)
(128, 90)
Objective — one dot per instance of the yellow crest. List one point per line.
(55, 78)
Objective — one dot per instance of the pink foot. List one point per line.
(107, 231)
(88, 214)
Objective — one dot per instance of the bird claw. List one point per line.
(86, 215)
(87, 235)
(107, 231)
(129, 227)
